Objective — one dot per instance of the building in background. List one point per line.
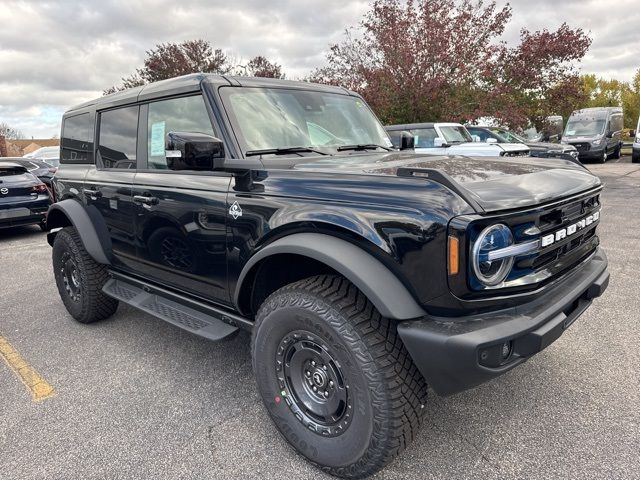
(19, 148)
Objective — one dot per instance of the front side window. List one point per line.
(185, 114)
(118, 138)
(76, 144)
(270, 118)
(455, 134)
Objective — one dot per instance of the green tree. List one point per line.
(631, 102)
(602, 92)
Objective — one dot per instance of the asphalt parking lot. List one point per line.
(134, 397)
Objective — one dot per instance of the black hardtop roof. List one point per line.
(192, 83)
(409, 126)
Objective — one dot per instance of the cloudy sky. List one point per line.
(59, 53)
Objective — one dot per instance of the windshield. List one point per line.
(509, 136)
(456, 134)
(584, 127)
(278, 118)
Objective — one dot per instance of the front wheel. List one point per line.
(335, 376)
(80, 279)
(618, 153)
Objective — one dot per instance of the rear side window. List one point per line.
(185, 114)
(77, 139)
(118, 138)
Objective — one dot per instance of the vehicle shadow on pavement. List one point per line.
(20, 233)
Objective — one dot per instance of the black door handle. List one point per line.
(92, 193)
(145, 200)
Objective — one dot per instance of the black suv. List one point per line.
(363, 273)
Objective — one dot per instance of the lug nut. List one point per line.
(324, 367)
(326, 394)
(331, 383)
(313, 363)
(315, 389)
(307, 373)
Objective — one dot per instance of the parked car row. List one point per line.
(590, 134)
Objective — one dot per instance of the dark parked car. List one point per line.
(363, 273)
(595, 132)
(43, 170)
(537, 149)
(24, 199)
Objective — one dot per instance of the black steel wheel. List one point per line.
(335, 377)
(313, 384)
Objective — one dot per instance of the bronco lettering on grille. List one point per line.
(569, 230)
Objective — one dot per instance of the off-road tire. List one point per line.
(388, 392)
(91, 304)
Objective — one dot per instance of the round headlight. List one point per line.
(492, 272)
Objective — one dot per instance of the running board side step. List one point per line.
(205, 321)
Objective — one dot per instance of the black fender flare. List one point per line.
(372, 277)
(87, 221)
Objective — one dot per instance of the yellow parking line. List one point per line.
(37, 385)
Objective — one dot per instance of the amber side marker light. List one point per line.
(454, 255)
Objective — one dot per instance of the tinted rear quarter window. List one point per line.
(77, 139)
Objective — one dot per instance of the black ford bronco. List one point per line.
(363, 273)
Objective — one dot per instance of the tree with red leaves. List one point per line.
(168, 60)
(261, 67)
(424, 60)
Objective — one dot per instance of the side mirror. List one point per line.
(440, 142)
(194, 151)
(632, 133)
(492, 140)
(609, 134)
(407, 141)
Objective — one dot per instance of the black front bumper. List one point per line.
(454, 354)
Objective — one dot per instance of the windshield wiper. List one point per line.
(363, 146)
(282, 151)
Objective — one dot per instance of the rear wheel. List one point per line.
(635, 158)
(335, 377)
(80, 279)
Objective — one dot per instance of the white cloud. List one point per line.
(57, 54)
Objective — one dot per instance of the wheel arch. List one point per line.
(88, 223)
(314, 253)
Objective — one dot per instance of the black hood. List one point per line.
(494, 183)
